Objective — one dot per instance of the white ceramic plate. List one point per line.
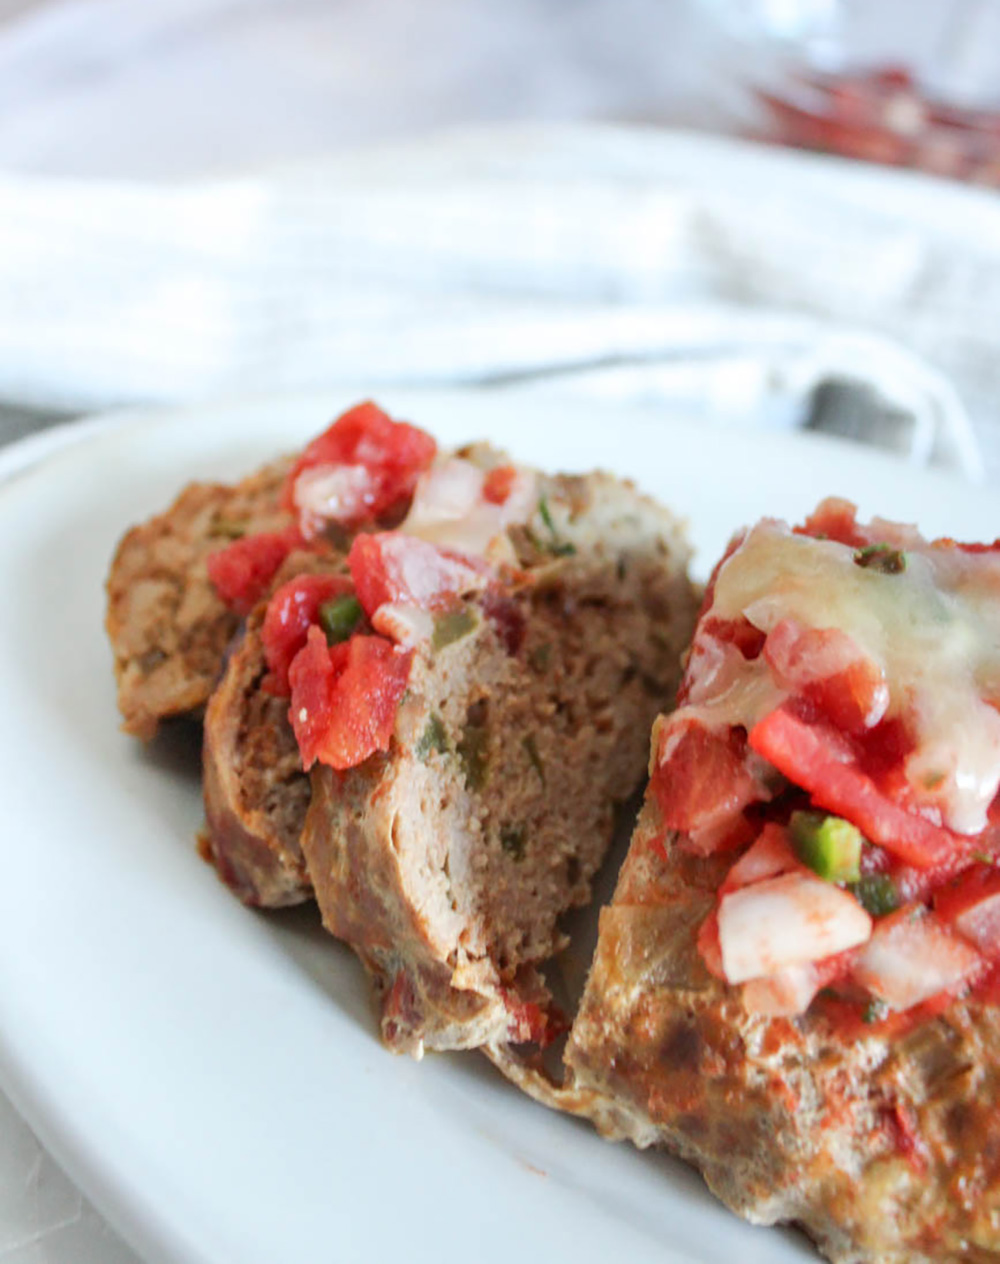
(211, 1076)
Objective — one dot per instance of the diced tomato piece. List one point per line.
(988, 987)
(498, 484)
(373, 463)
(827, 668)
(834, 519)
(725, 835)
(408, 571)
(902, 1124)
(882, 753)
(242, 571)
(345, 697)
(507, 618)
(770, 855)
(290, 613)
(812, 757)
(971, 903)
(946, 542)
(739, 632)
(700, 779)
(531, 1023)
(912, 956)
(833, 969)
(978, 882)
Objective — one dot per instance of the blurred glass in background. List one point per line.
(911, 83)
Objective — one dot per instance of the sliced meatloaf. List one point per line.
(180, 583)
(167, 625)
(447, 858)
(255, 788)
(795, 986)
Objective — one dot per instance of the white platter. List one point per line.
(211, 1076)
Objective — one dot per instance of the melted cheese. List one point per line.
(933, 630)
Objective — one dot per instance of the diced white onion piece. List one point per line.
(444, 493)
(449, 510)
(787, 921)
(522, 499)
(912, 958)
(782, 994)
(980, 923)
(769, 856)
(420, 574)
(473, 534)
(331, 493)
(405, 624)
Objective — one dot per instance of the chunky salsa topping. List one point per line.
(341, 646)
(840, 715)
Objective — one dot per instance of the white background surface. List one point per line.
(214, 1072)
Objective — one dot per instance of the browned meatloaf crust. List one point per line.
(256, 791)
(447, 863)
(167, 625)
(883, 1150)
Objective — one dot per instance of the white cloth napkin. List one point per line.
(707, 275)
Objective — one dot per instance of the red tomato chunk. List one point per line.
(498, 483)
(827, 668)
(243, 570)
(700, 779)
(345, 698)
(292, 610)
(812, 757)
(363, 467)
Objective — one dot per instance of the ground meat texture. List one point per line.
(883, 1149)
(256, 791)
(448, 862)
(167, 626)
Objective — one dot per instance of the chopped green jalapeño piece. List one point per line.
(531, 750)
(875, 1011)
(829, 845)
(877, 894)
(557, 546)
(229, 527)
(452, 626)
(338, 618)
(474, 754)
(512, 841)
(881, 557)
(433, 738)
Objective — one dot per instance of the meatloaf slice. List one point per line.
(883, 1147)
(256, 790)
(852, 1086)
(167, 625)
(447, 862)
